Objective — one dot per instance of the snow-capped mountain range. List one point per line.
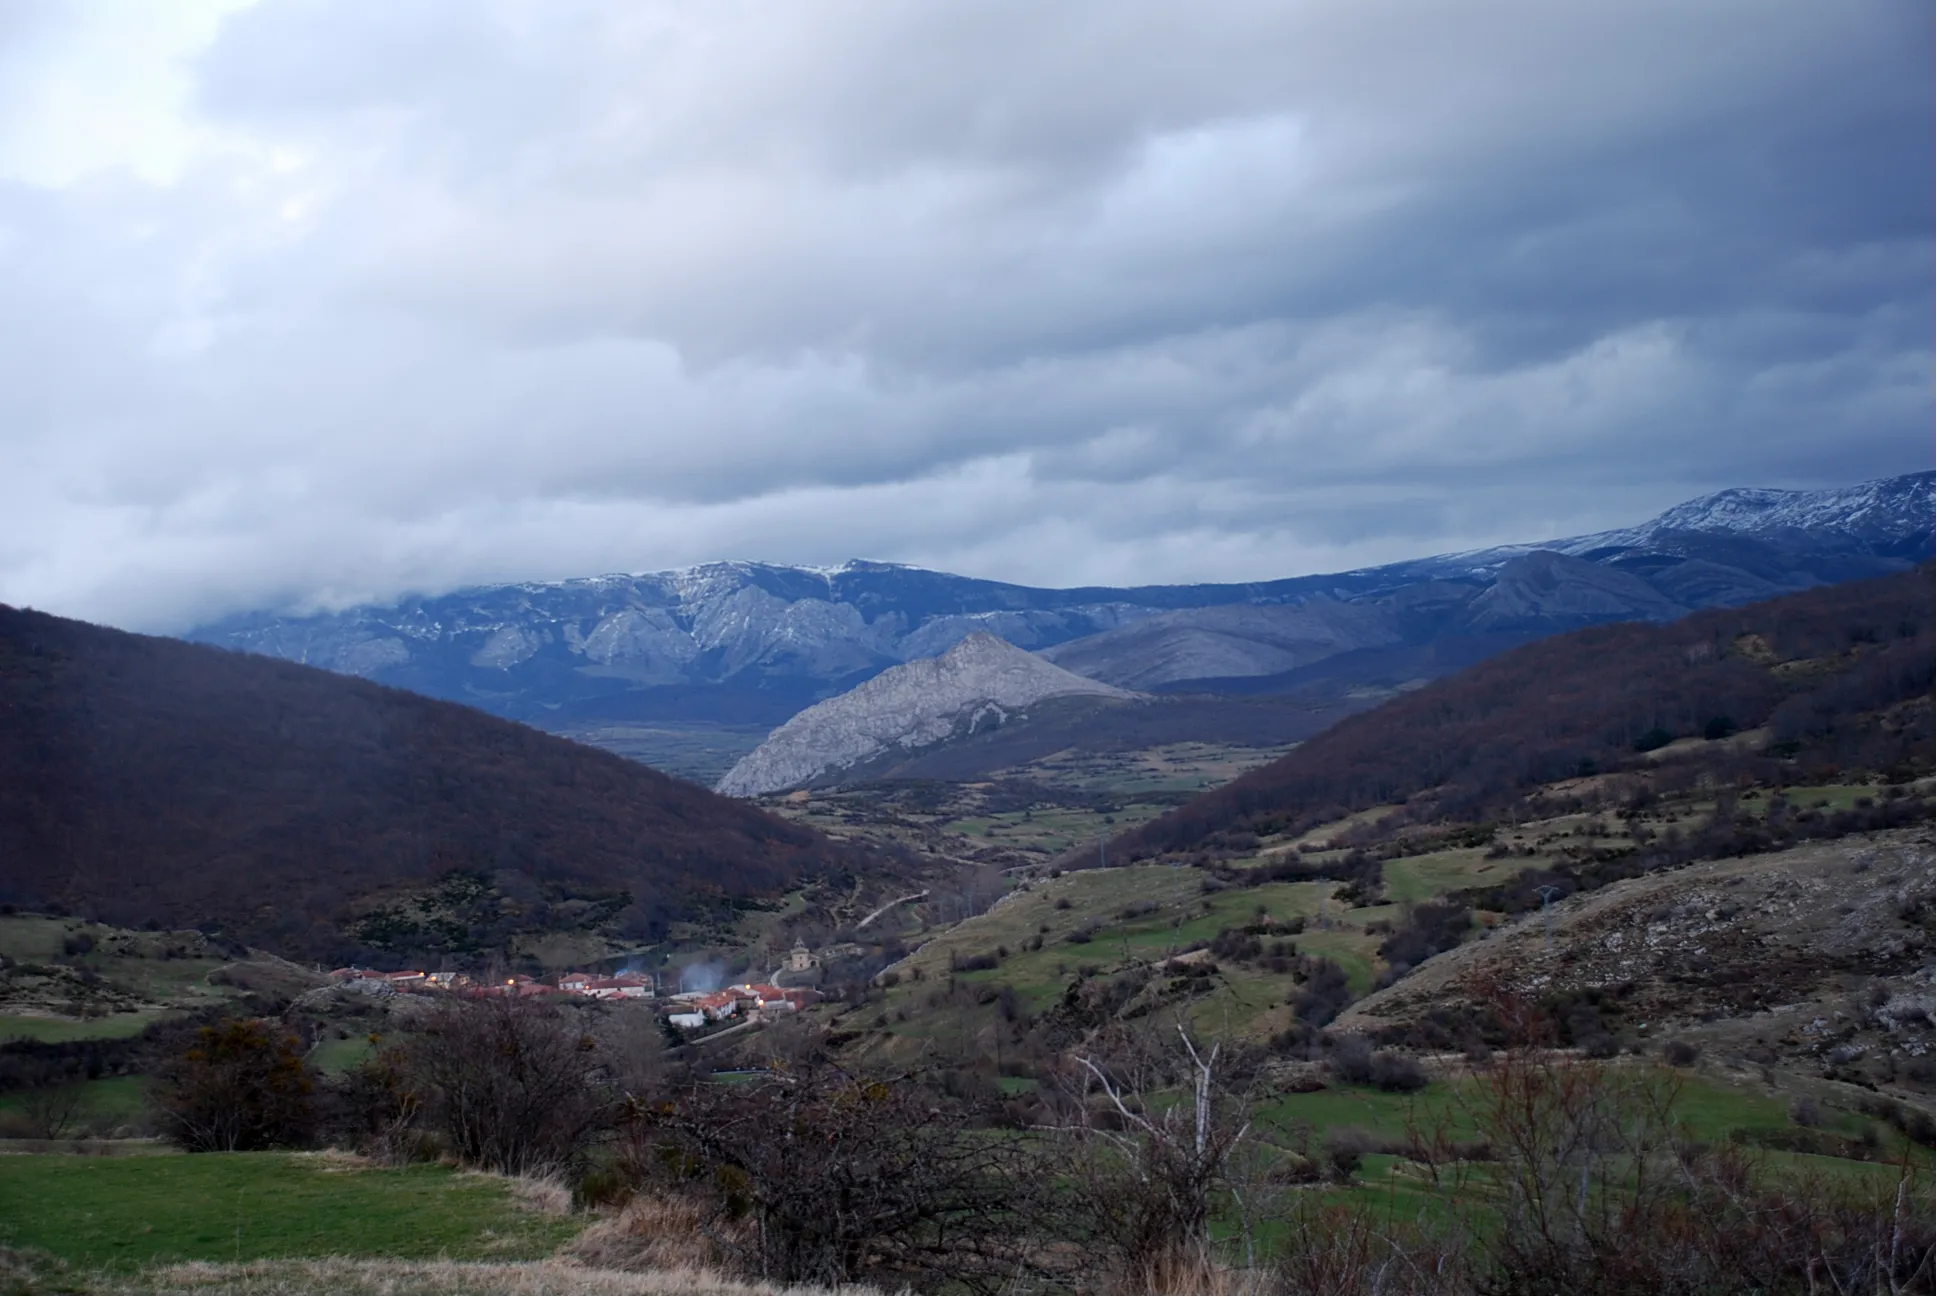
(754, 643)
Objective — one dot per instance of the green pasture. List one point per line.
(1325, 833)
(1422, 878)
(33, 937)
(1171, 767)
(339, 1056)
(1051, 829)
(1353, 949)
(1707, 1107)
(1829, 797)
(1138, 914)
(110, 1099)
(126, 1212)
(114, 1026)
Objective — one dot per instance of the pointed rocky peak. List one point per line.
(979, 648)
(979, 681)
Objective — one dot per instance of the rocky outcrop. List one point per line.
(1747, 956)
(981, 681)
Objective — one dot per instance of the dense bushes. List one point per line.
(1353, 1061)
(1323, 991)
(502, 1084)
(1429, 928)
(240, 1084)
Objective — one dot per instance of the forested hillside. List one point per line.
(145, 780)
(1839, 677)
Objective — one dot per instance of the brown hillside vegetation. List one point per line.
(1814, 959)
(145, 780)
(1840, 677)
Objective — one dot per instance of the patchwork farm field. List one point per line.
(66, 979)
(1170, 767)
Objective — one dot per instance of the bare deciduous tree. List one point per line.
(843, 1178)
(512, 1085)
(51, 1104)
(1152, 1134)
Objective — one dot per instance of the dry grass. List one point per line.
(1178, 1274)
(346, 1275)
(335, 1159)
(546, 1195)
(655, 1234)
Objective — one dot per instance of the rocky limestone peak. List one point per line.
(980, 680)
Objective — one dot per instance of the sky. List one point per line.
(305, 303)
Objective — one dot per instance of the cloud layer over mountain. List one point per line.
(318, 302)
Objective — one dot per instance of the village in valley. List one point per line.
(684, 1007)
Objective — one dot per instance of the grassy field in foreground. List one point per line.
(122, 1213)
(353, 1275)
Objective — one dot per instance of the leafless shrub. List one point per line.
(382, 1107)
(51, 1109)
(1345, 1150)
(1680, 1053)
(1353, 1061)
(510, 1085)
(1590, 1185)
(812, 1175)
(1149, 1175)
(1335, 1247)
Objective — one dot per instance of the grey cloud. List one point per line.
(1120, 292)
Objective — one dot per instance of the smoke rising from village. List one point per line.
(702, 977)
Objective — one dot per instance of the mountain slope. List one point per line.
(1241, 640)
(144, 779)
(975, 684)
(1529, 595)
(1842, 674)
(1882, 514)
(748, 644)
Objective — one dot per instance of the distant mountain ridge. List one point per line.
(1886, 513)
(978, 682)
(753, 643)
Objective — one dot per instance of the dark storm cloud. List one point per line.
(372, 297)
